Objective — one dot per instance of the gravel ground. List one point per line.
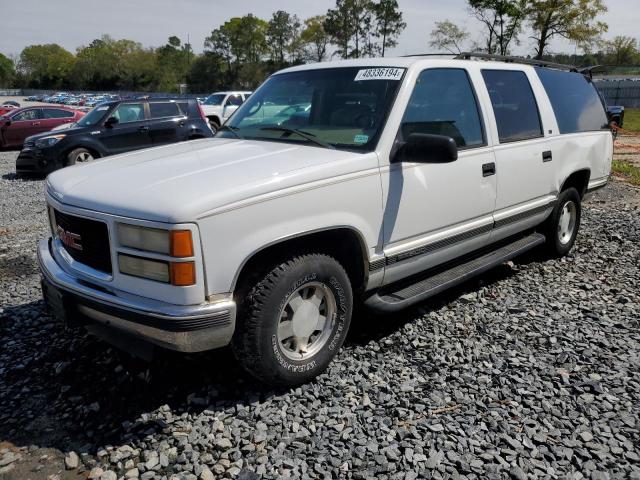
(531, 371)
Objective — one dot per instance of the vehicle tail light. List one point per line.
(204, 117)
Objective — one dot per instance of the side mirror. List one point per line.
(111, 121)
(7, 123)
(427, 148)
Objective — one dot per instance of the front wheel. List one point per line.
(78, 156)
(294, 320)
(562, 227)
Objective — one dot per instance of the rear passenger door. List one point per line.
(52, 117)
(166, 122)
(524, 168)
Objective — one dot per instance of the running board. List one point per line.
(387, 300)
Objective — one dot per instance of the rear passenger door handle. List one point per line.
(488, 169)
(547, 156)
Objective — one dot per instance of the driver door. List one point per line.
(231, 104)
(131, 132)
(435, 212)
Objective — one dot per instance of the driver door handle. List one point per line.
(143, 129)
(35, 123)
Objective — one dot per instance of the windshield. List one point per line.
(215, 99)
(338, 108)
(94, 117)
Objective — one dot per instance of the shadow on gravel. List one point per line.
(64, 389)
(22, 177)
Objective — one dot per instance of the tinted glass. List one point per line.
(234, 100)
(129, 112)
(27, 115)
(514, 105)
(343, 107)
(163, 109)
(215, 99)
(56, 113)
(574, 99)
(94, 117)
(443, 103)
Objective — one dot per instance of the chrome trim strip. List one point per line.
(522, 215)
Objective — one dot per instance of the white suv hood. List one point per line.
(181, 182)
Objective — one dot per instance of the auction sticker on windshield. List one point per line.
(379, 74)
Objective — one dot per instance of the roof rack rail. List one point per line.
(444, 54)
(511, 59)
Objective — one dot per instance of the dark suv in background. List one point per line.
(112, 128)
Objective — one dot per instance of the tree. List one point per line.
(570, 19)
(622, 50)
(502, 20)
(282, 35)
(350, 28)
(7, 71)
(389, 23)
(206, 73)
(448, 36)
(314, 38)
(46, 66)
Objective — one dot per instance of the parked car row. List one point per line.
(114, 127)
(74, 99)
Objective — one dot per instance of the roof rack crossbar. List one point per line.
(511, 59)
(443, 54)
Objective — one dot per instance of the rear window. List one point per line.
(574, 99)
(162, 109)
(514, 105)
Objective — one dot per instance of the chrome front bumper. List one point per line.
(185, 328)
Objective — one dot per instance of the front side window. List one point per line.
(575, 101)
(129, 112)
(344, 108)
(94, 117)
(33, 114)
(163, 109)
(514, 105)
(443, 103)
(234, 100)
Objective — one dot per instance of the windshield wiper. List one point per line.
(306, 135)
(229, 128)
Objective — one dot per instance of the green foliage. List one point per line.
(627, 170)
(570, 19)
(448, 36)
(7, 71)
(315, 39)
(46, 66)
(502, 20)
(282, 36)
(622, 50)
(389, 23)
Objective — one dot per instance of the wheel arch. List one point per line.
(344, 243)
(214, 118)
(578, 179)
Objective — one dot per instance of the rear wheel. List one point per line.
(294, 320)
(78, 156)
(561, 229)
(215, 124)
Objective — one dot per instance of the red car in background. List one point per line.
(16, 125)
(6, 108)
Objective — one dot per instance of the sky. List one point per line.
(72, 23)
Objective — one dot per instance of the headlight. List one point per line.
(177, 243)
(49, 141)
(181, 274)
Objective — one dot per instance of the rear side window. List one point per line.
(574, 99)
(234, 100)
(514, 105)
(443, 103)
(57, 113)
(164, 109)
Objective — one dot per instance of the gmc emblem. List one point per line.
(70, 239)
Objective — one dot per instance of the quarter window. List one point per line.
(514, 105)
(443, 103)
(575, 101)
(163, 109)
(234, 100)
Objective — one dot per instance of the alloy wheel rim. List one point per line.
(84, 157)
(567, 222)
(306, 321)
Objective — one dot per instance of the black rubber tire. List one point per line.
(72, 156)
(553, 246)
(215, 125)
(255, 343)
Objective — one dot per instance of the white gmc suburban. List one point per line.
(388, 181)
(219, 106)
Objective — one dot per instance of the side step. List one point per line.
(406, 295)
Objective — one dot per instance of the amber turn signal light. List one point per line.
(183, 274)
(181, 243)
